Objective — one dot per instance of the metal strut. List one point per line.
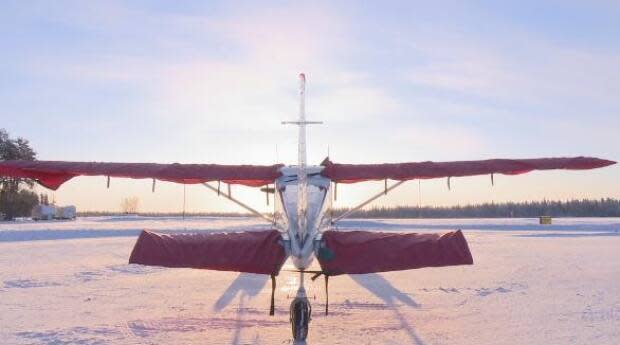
(272, 308)
(230, 197)
(326, 295)
(375, 197)
(326, 276)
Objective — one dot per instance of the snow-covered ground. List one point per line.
(69, 283)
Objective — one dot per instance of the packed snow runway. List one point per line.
(69, 283)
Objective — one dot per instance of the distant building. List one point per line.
(66, 212)
(49, 212)
(43, 212)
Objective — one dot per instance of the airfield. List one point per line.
(68, 282)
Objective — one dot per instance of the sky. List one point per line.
(393, 81)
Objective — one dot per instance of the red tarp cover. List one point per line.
(251, 251)
(350, 173)
(52, 174)
(358, 252)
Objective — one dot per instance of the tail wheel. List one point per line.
(300, 318)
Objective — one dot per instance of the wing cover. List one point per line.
(358, 252)
(251, 252)
(351, 173)
(52, 174)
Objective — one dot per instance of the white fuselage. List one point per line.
(302, 223)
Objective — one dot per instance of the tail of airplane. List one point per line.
(302, 177)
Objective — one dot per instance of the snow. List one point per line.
(68, 282)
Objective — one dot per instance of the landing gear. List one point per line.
(300, 315)
(300, 312)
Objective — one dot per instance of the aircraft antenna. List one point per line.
(184, 185)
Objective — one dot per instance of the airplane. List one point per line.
(303, 227)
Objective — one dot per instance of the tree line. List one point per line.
(528, 209)
(571, 208)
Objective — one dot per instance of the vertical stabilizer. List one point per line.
(302, 174)
(302, 177)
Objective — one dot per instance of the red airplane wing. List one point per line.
(351, 173)
(52, 174)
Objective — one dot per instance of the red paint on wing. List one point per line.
(351, 173)
(52, 174)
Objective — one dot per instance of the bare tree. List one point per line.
(130, 205)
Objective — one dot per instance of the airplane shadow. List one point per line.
(246, 285)
(382, 288)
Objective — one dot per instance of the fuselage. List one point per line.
(302, 211)
(301, 194)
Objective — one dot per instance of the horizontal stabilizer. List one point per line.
(360, 252)
(251, 251)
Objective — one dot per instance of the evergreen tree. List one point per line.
(12, 202)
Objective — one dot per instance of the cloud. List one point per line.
(529, 70)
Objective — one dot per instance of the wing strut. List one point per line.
(375, 197)
(230, 197)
